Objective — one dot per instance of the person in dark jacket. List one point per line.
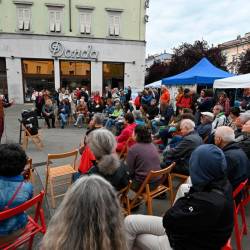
(64, 112)
(244, 142)
(182, 152)
(238, 166)
(103, 144)
(205, 127)
(201, 220)
(48, 113)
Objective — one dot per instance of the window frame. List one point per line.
(21, 9)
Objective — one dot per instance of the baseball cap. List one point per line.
(209, 114)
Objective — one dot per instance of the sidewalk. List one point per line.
(61, 140)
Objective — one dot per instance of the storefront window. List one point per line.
(3, 77)
(75, 74)
(113, 75)
(37, 75)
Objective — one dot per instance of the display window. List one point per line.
(113, 75)
(38, 75)
(75, 74)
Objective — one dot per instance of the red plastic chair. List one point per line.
(32, 227)
(246, 198)
(227, 246)
(239, 208)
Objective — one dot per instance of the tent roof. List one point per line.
(241, 81)
(154, 85)
(202, 73)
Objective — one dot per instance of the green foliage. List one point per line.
(244, 64)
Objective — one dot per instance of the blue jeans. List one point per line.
(110, 122)
(64, 118)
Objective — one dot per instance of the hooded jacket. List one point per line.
(203, 218)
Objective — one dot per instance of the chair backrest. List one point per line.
(69, 154)
(37, 200)
(163, 173)
(123, 197)
(239, 188)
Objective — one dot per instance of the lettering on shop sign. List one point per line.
(58, 50)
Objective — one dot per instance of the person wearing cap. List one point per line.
(205, 128)
(202, 219)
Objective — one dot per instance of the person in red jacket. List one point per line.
(126, 133)
(185, 101)
(137, 101)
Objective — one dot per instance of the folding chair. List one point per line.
(30, 171)
(227, 246)
(53, 172)
(36, 139)
(32, 228)
(239, 207)
(144, 193)
(124, 151)
(124, 200)
(183, 180)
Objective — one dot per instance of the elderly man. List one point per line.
(205, 128)
(220, 118)
(182, 152)
(238, 167)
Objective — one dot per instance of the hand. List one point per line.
(12, 102)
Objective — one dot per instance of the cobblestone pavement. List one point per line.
(62, 140)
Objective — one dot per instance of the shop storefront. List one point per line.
(46, 63)
(75, 74)
(37, 75)
(3, 77)
(113, 75)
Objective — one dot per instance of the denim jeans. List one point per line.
(110, 122)
(64, 118)
(79, 120)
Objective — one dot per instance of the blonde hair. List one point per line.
(89, 218)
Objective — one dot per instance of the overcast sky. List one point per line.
(172, 22)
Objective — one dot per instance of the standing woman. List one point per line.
(3, 104)
(89, 218)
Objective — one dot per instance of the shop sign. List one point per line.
(58, 50)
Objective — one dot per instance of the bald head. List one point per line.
(223, 136)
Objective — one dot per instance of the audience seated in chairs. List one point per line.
(48, 113)
(89, 217)
(202, 219)
(182, 152)
(238, 165)
(64, 112)
(81, 113)
(14, 190)
(113, 118)
(102, 143)
(142, 157)
(126, 133)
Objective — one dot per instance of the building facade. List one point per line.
(234, 49)
(49, 44)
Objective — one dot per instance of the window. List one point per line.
(85, 23)
(114, 25)
(23, 18)
(55, 20)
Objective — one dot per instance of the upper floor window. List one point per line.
(85, 22)
(114, 25)
(23, 18)
(55, 20)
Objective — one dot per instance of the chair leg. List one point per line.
(149, 206)
(52, 193)
(25, 141)
(237, 232)
(243, 218)
(46, 182)
(31, 242)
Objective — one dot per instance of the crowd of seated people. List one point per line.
(207, 139)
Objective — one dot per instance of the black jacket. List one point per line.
(238, 166)
(119, 178)
(201, 220)
(244, 144)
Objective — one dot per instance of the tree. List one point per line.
(186, 56)
(244, 64)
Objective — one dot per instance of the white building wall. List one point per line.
(14, 79)
(131, 53)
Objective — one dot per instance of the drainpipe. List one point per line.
(70, 28)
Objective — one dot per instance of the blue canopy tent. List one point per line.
(203, 73)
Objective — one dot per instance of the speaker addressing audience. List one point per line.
(89, 218)
(14, 190)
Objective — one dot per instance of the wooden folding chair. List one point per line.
(144, 193)
(30, 171)
(124, 199)
(36, 139)
(183, 179)
(124, 151)
(53, 172)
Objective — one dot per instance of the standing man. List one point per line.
(3, 104)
